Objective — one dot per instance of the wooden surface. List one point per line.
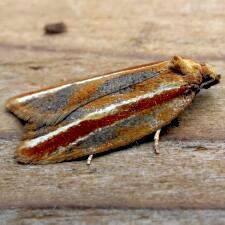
(104, 36)
(112, 217)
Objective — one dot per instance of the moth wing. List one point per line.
(51, 105)
(109, 122)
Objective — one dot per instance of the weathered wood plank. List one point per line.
(103, 36)
(113, 217)
(114, 28)
(180, 177)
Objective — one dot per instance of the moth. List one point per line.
(91, 116)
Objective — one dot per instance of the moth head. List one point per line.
(202, 75)
(209, 76)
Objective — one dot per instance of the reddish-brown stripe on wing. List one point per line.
(88, 126)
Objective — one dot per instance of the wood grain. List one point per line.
(113, 217)
(104, 36)
(179, 177)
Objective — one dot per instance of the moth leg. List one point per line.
(156, 139)
(89, 159)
